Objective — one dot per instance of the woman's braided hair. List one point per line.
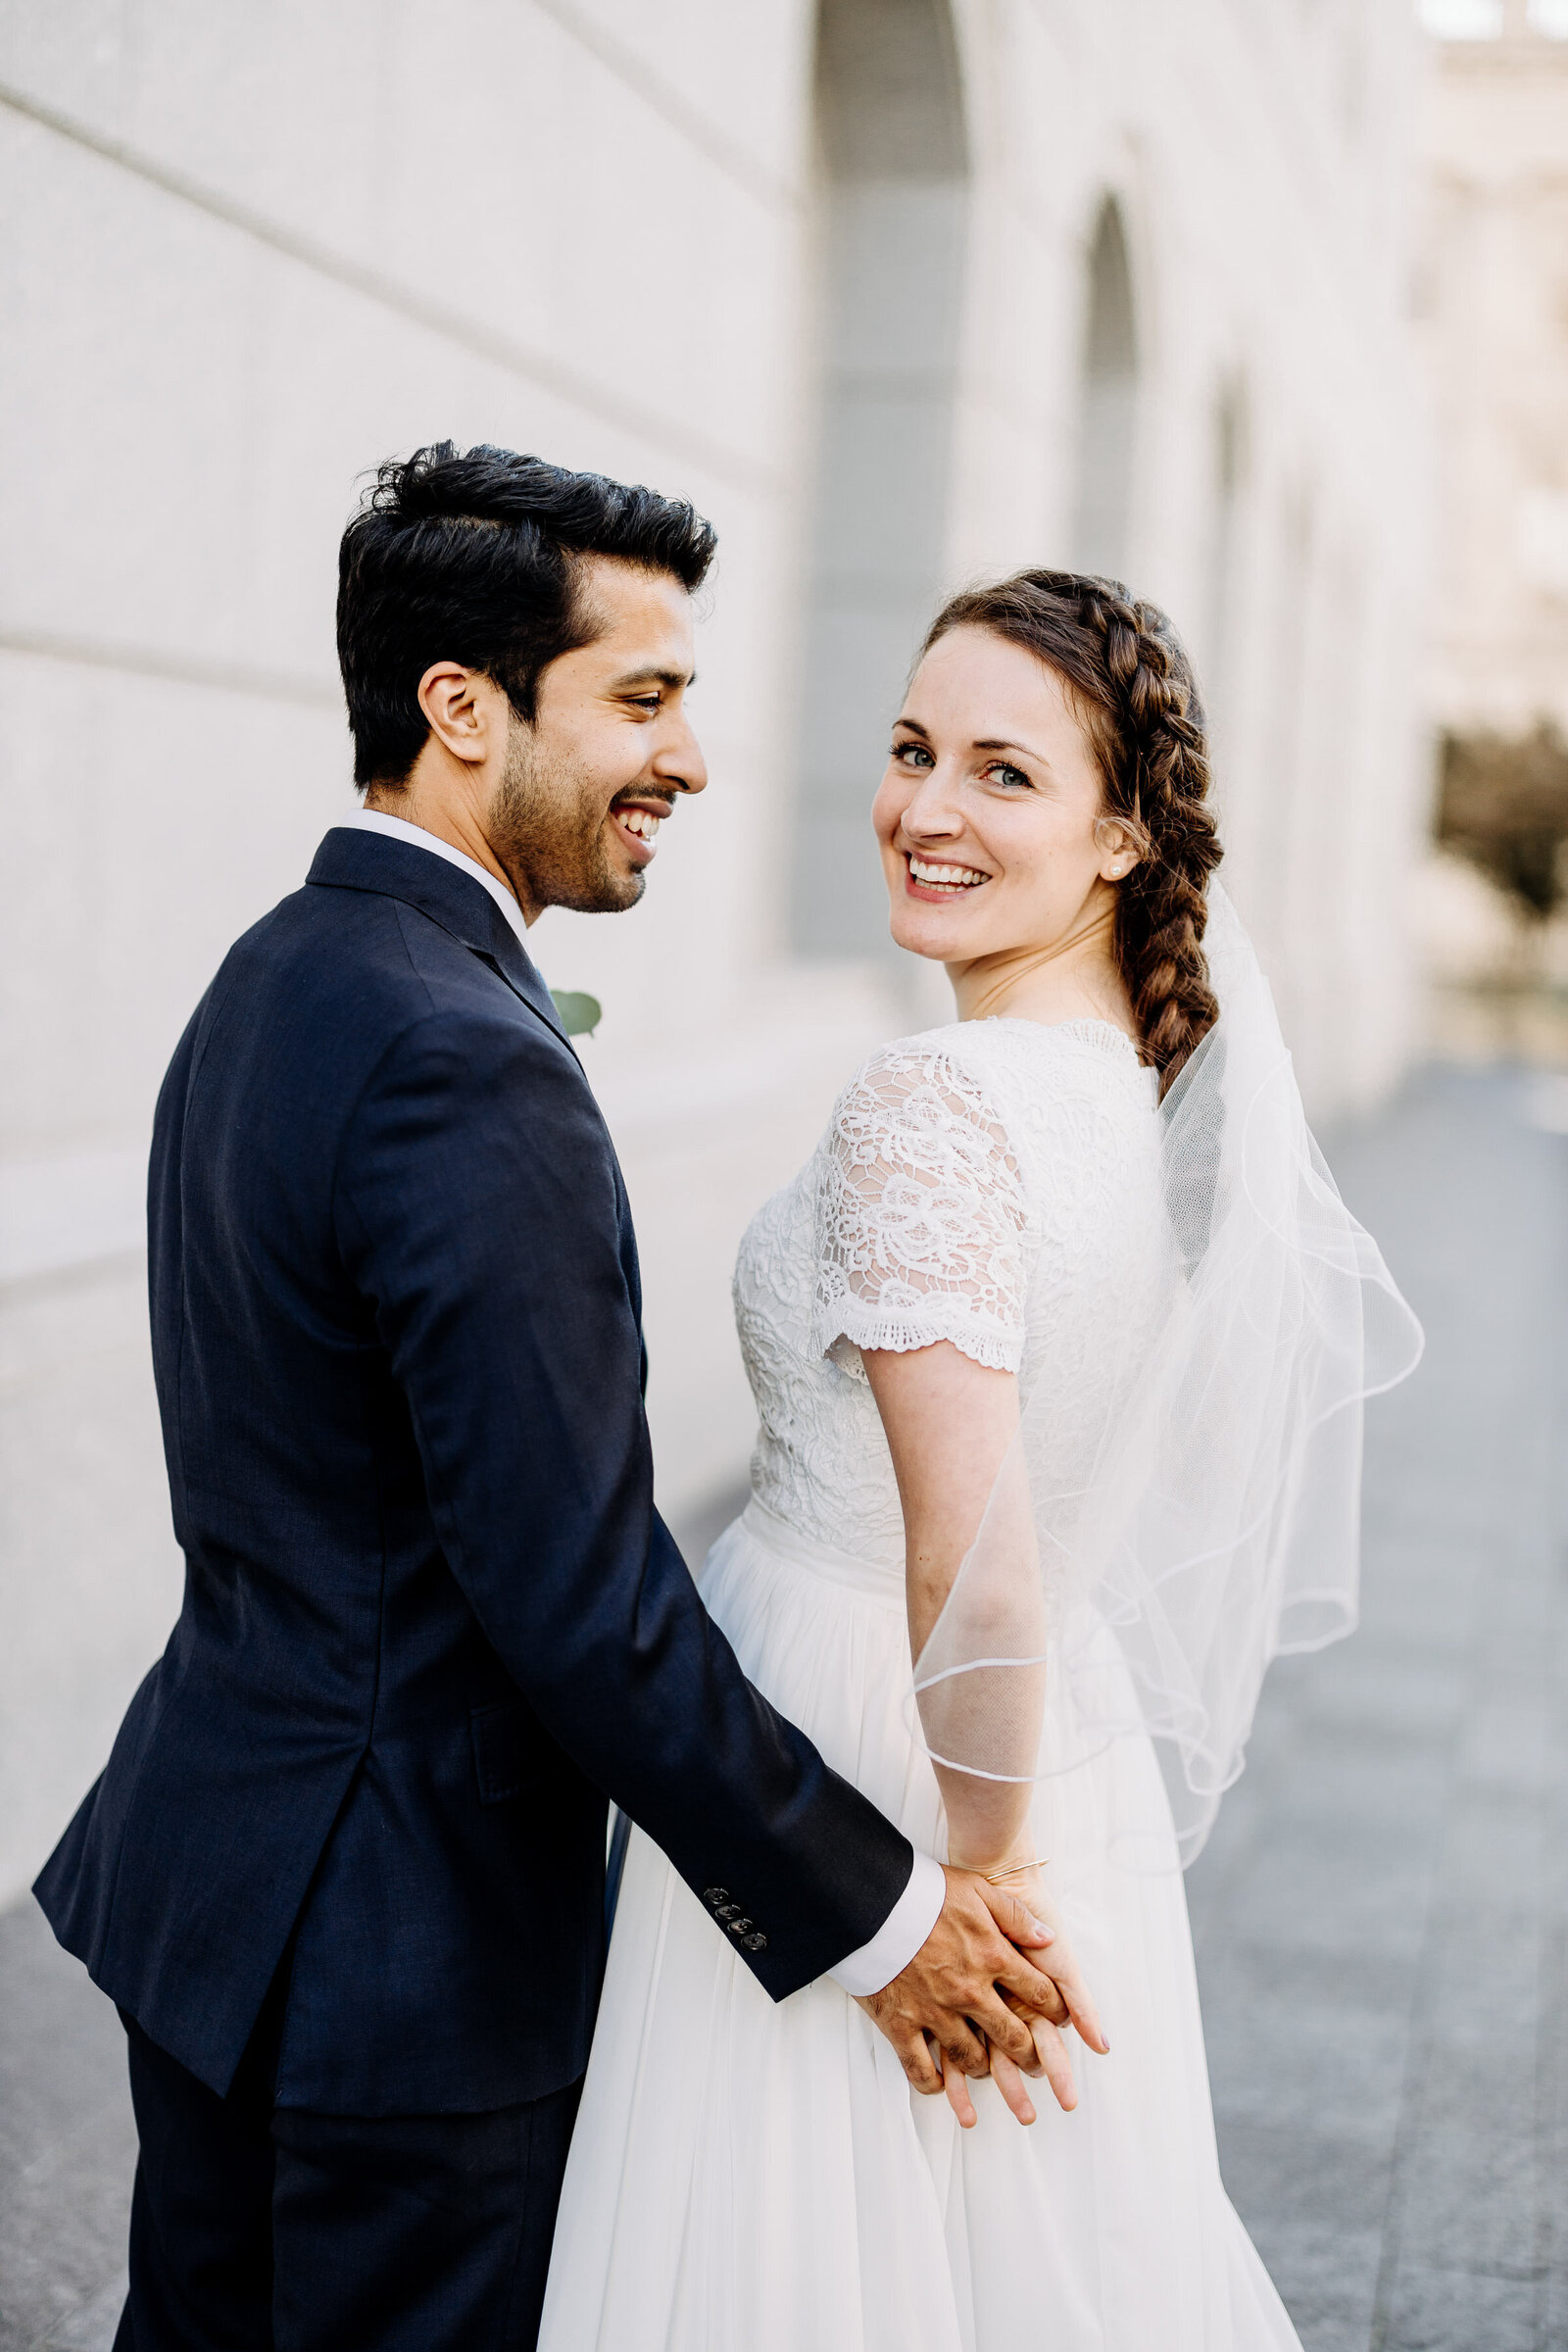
(1133, 689)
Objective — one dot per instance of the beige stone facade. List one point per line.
(1493, 297)
(897, 298)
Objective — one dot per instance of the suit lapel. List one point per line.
(519, 972)
(349, 860)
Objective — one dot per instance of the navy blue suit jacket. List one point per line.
(431, 1618)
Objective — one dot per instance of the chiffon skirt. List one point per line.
(760, 2175)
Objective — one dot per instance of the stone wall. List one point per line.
(1494, 284)
(248, 251)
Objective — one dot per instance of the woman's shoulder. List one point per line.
(980, 1069)
(919, 1107)
(925, 1085)
(1028, 1115)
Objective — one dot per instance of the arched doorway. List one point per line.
(1228, 464)
(894, 170)
(1109, 420)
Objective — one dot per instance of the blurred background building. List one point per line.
(1491, 296)
(897, 291)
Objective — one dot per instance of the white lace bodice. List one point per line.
(993, 1183)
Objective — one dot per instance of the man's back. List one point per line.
(329, 1706)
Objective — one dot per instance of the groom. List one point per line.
(344, 1873)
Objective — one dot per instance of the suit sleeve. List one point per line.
(477, 1211)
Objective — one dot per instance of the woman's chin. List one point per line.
(937, 932)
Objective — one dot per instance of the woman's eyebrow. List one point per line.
(998, 743)
(981, 743)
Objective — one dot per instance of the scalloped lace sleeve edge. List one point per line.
(843, 1329)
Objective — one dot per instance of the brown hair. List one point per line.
(1135, 692)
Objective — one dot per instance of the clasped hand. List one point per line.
(989, 1992)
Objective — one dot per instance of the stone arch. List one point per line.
(892, 183)
(1109, 412)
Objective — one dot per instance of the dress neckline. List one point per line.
(1081, 1025)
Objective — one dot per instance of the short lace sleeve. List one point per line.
(922, 1217)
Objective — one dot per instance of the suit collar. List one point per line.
(349, 860)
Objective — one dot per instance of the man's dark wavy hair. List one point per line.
(473, 559)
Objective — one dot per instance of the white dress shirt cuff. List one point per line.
(900, 1934)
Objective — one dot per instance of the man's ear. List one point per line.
(456, 709)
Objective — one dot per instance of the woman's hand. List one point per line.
(1058, 1962)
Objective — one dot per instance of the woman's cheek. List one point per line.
(887, 808)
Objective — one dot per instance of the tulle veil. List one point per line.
(1212, 1521)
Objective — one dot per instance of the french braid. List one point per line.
(1135, 691)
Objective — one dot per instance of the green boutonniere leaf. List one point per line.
(581, 1014)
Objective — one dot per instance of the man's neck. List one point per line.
(452, 818)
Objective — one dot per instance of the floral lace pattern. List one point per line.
(921, 1219)
(993, 1184)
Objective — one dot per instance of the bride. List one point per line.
(1058, 1343)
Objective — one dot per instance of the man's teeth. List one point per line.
(945, 877)
(641, 821)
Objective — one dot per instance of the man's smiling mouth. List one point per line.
(936, 875)
(639, 823)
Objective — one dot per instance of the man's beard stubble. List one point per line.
(546, 825)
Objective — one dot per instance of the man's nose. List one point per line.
(678, 762)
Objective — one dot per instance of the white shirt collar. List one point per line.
(398, 828)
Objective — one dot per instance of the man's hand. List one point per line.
(950, 1990)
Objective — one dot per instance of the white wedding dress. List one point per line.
(760, 2175)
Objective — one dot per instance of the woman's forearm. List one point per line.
(989, 1712)
(988, 1821)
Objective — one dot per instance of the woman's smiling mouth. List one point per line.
(936, 878)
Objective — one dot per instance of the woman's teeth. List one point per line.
(953, 878)
(641, 821)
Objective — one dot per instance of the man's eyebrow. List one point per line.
(652, 676)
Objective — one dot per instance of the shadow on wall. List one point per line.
(892, 221)
(1102, 525)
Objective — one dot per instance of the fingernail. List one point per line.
(1040, 1928)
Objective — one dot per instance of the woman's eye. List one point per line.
(912, 755)
(1000, 772)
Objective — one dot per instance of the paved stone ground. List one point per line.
(1382, 1915)
(66, 2147)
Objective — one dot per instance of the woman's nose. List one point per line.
(932, 812)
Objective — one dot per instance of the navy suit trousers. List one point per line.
(268, 2228)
